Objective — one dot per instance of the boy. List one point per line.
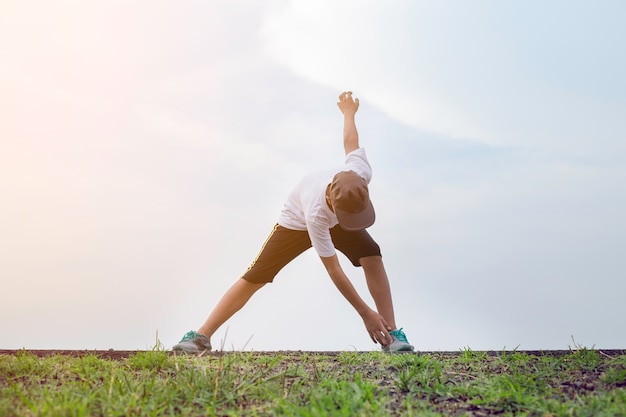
(326, 211)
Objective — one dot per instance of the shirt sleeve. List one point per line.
(321, 240)
(357, 161)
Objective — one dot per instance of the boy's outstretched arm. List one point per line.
(349, 107)
(376, 326)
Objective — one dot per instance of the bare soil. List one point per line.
(123, 354)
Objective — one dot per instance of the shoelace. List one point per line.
(189, 335)
(399, 334)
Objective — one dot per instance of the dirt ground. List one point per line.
(123, 354)
(105, 354)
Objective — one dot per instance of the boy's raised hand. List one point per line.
(347, 104)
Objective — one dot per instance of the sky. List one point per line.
(147, 147)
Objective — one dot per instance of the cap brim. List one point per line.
(356, 221)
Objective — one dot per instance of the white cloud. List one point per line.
(461, 70)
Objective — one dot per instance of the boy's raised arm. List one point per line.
(349, 107)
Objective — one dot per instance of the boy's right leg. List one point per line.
(279, 249)
(231, 302)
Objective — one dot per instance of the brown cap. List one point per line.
(351, 201)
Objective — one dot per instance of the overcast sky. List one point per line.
(147, 147)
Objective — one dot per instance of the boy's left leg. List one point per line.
(363, 251)
(379, 288)
(378, 285)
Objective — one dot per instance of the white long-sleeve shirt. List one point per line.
(306, 208)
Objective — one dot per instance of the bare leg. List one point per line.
(378, 285)
(231, 302)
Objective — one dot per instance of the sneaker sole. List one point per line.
(197, 352)
(401, 350)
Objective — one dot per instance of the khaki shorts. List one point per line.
(283, 245)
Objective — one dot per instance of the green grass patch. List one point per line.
(582, 382)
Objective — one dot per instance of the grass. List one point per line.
(581, 382)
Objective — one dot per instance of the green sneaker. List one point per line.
(193, 342)
(399, 343)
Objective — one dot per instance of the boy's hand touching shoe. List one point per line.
(377, 327)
